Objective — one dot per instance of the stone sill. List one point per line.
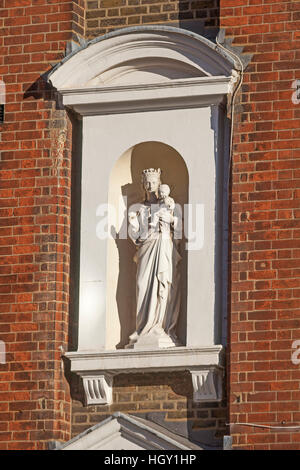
(97, 369)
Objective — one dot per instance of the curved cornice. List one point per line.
(111, 54)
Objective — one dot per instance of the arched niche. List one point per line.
(124, 190)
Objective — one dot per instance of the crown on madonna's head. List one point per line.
(151, 171)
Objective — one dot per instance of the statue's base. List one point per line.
(152, 341)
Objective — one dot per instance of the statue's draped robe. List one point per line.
(158, 294)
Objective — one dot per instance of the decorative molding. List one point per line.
(98, 368)
(185, 93)
(126, 360)
(98, 389)
(182, 83)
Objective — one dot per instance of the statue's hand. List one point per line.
(133, 220)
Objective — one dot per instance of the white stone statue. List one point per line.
(155, 228)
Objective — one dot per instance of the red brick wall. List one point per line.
(34, 225)
(265, 254)
(35, 185)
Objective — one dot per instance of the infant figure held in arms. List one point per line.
(161, 221)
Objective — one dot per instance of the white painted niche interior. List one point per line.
(194, 138)
(125, 185)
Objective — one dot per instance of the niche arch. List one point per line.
(125, 185)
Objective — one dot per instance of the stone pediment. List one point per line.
(125, 432)
(141, 55)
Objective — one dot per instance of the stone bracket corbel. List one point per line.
(207, 385)
(98, 389)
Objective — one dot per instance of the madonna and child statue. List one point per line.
(155, 228)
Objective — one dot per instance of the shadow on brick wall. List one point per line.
(198, 16)
(42, 90)
(201, 17)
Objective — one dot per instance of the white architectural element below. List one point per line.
(206, 385)
(125, 432)
(98, 368)
(98, 389)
